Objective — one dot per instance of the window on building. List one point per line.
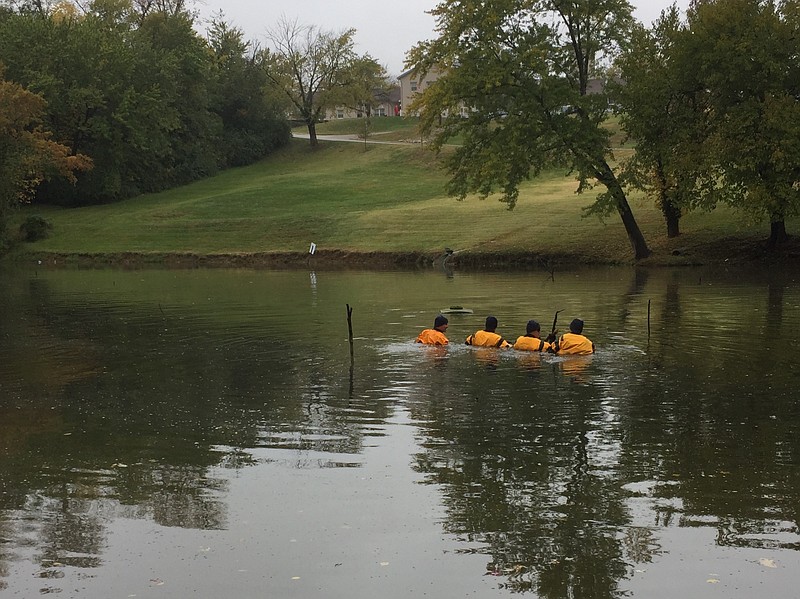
(413, 86)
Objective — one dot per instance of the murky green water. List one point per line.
(202, 433)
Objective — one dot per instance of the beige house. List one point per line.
(386, 103)
(412, 83)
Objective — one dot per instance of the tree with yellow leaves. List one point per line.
(28, 154)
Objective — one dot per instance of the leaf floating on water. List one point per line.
(295, 578)
(384, 563)
(767, 563)
(712, 580)
(157, 581)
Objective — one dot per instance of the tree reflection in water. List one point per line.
(526, 493)
(566, 473)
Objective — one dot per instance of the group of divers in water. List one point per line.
(572, 343)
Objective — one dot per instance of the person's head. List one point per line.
(533, 328)
(491, 324)
(576, 326)
(440, 323)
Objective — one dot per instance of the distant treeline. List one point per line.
(133, 87)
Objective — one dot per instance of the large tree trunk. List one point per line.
(777, 231)
(312, 133)
(638, 244)
(672, 214)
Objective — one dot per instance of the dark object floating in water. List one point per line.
(456, 310)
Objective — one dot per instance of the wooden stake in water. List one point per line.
(350, 328)
(648, 319)
(350, 336)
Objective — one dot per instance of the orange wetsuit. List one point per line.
(530, 343)
(487, 339)
(432, 337)
(571, 344)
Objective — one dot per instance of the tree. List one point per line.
(528, 73)
(106, 98)
(133, 85)
(744, 55)
(311, 67)
(170, 7)
(28, 154)
(664, 112)
(251, 122)
(367, 85)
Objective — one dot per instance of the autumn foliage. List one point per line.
(28, 154)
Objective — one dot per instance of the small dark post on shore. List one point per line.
(648, 318)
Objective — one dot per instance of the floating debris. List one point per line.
(456, 310)
(767, 563)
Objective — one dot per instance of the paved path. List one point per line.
(355, 139)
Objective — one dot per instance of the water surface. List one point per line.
(205, 433)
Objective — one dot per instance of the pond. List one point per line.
(206, 433)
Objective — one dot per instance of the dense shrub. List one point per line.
(35, 228)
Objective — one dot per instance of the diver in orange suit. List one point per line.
(573, 343)
(435, 336)
(487, 337)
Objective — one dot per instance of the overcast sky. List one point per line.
(384, 30)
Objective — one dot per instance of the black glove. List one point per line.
(551, 337)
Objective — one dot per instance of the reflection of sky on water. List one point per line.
(205, 432)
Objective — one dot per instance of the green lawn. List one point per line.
(348, 197)
(377, 124)
(385, 128)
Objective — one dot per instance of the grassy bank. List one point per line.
(378, 125)
(377, 201)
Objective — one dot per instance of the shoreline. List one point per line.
(731, 252)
